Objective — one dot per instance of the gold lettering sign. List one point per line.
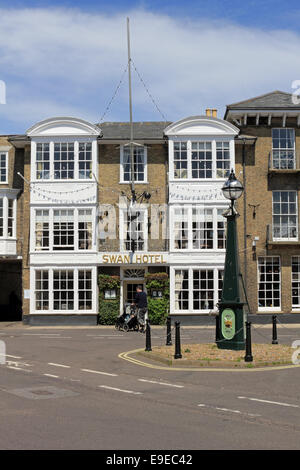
(135, 259)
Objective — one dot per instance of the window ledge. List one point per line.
(136, 182)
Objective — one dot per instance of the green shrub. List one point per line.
(158, 308)
(108, 312)
(109, 309)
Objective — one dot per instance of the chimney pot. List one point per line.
(208, 112)
(214, 113)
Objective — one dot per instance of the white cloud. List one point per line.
(65, 61)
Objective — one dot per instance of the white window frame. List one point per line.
(145, 180)
(189, 208)
(283, 215)
(190, 269)
(59, 140)
(268, 309)
(189, 140)
(6, 197)
(5, 152)
(123, 232)
(285, 149)
(51, 226)
(75, 269)
(295, 281)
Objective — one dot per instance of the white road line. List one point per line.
(8, 355)
(18, 368)
(58, 365)
(270, 402)
(161, 383)
(41, 334)
(54, 376)
(228, 410)
(120, 390)
(98, 372)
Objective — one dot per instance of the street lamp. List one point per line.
(230, 322)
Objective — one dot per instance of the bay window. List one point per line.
(196, 290)
(63, 229)
(201, 159)
(64, 290)
(68, 160)
(197, 228)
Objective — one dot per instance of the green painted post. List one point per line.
(231, 329)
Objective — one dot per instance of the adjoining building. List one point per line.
(12, 241)
(268, 158)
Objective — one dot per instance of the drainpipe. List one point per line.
(245, 215)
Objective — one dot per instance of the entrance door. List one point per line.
(130, 291)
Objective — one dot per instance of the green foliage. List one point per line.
(158, 308)
(108, 309)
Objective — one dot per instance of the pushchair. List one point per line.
(128, 319)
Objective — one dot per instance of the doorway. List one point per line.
(130, 290)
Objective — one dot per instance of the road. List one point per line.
(66, 388)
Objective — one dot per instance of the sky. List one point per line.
(66, 58)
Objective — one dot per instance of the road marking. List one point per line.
(120, 390)
(41, 334)
(227, 410)
(54, 376)
(270, 402)
(18, 368)
(161, 383)
(106, 336)
(8, 355)
(58, 365)
(98, 372)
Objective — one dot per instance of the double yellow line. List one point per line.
(127, 357)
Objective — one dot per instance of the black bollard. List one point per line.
(248, 357)
(148, 336)
(274, 331)
(177, 354)
(169, 336)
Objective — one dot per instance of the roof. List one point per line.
(274, 99)
(141, 130)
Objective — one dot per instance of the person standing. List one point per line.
(141, 304)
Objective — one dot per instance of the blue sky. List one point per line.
(66, 57)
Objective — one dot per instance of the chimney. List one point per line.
(208, 112)
(214, 113)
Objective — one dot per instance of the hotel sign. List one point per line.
(133, 258)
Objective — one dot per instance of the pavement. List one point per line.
(67, 388)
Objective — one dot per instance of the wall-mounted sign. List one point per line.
(228, 323)
(134, 258)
